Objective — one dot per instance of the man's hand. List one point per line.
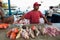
(18, 21)
(49, 23)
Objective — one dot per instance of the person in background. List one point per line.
(3, 18)
(50, 13)
(34, 15)
(1, 11)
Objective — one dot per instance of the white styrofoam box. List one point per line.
(24, 21)
(41, 20)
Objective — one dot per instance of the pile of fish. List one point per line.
(24, 32)
(33, 31)
(4, 26)
(12, 33)
(51, 31)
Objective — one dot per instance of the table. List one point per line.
(40, 37)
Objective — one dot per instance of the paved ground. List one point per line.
(4, 31)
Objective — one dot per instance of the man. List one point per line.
(3, 18)
(1, 11)
(34, 15)
(50, 13)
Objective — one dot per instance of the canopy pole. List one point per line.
(9, 8)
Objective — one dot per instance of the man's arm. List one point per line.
(27, 16)
(46, 20)
(21, 18)
(41, 15)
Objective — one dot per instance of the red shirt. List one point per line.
(33, 16)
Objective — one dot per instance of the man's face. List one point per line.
(36, 7)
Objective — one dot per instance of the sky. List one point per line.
(28, 4)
